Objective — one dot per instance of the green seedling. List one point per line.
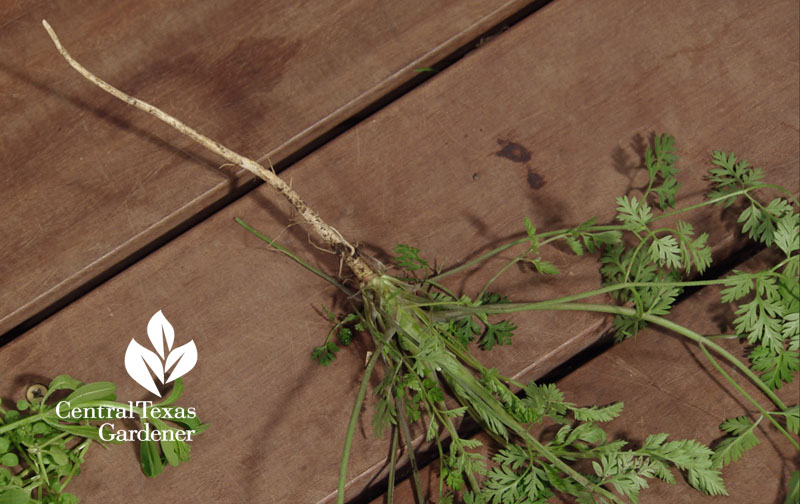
(43, 442)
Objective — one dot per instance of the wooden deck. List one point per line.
(109, 217)
(267, 80)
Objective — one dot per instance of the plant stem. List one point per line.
(392, 465)
(667, 324)
(497, 275)
(728, 196)
(744, 393)
(514, 243)
(541, 305)
(400, 406)
(480, 259)
(351, 426)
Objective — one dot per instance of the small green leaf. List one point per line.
(58, 455)
(793, 419)
(787, 236)
(597, 414)
(84, 431)
(575, 245)
(544, 267)
(326, 353)
(408, 258)
(62, 382)
(665, 251)
(175, 393)
(740, 285)
(9, 460)
(97, 391)
(152, 464)
(497, 334)
(170, 450)
(530, 229)
(634, 214)
(14, 496)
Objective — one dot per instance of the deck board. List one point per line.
(86, 182)
(538, 122)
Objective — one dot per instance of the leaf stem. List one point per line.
(392, 466)
(351, 426)
(654, 319)
(280, 248)
(720, 199)
(400, 407)
(744, 393)
(520, 241)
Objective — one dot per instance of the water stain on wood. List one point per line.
(535, 181)
(260, 60)
(513, 151)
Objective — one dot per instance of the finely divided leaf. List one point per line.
(731, 176)
(634, 214)
(732, 448)
(497, 334)
(787, 234)
(408, 258)
(598, 414)
(776, 368)
(793, 419)
(326, 353)
(665, 251)
(740, 283)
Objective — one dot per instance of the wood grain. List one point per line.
(669, 386)
(545, 121)
(87, 182)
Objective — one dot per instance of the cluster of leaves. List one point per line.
(343, 330)
(522, 475)
(477, 326)
(156, 455)
(412, 390)
(423, 334)
(658, 257)
(41, 451)
(767, 302)
(768, 321)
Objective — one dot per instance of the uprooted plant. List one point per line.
(424, 333)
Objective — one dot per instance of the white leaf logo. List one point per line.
(140, 361)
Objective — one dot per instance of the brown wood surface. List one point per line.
(539, 122)
(668, 385)
(86, 181)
